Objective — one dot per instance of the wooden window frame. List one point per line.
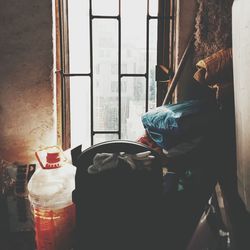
(164, 67)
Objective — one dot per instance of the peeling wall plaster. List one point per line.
(26, 79)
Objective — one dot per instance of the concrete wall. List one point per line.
(186, 12)
(187, 87)
(185, 21)
(26, 78)
(241, 63)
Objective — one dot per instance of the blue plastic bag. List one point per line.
(171, 124)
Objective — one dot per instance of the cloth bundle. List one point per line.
(216, 72)
(216, 68)
(146, 140)
(107, 161)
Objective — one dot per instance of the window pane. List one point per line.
(80, 111)
(152, 63)
(153, 7)
(78, 18)
(133, 35)
(107, 7)
(105, 60)
(104, 137)
(133, 106)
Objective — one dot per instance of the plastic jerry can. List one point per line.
(50, 193)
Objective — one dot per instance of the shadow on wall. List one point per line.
(26, 97)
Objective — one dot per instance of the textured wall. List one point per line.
(26, 71)
(241, 63)
(186, 12)
(213, 27)
(187, 87)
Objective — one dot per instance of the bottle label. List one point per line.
(52, 165)
(54, 228)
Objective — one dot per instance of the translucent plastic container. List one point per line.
(50, 192)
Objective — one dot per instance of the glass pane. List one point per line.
(78, 18)
(104, 137)
(133, 35)
(80, 111)
(105, 61)
(133, 106)
(107, 7)
(152, 63)
(153, 7)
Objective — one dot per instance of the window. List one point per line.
(108, 53)
(114, 86)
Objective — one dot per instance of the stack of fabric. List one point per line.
(216, 72)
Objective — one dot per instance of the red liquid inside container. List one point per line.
(54, 228)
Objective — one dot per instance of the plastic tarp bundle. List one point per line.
(172, 124)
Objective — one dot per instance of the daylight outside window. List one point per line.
(111, 59)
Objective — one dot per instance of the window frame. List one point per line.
(165, 60)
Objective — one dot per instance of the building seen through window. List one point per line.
(110, 55)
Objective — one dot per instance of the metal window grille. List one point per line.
(165, 60)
